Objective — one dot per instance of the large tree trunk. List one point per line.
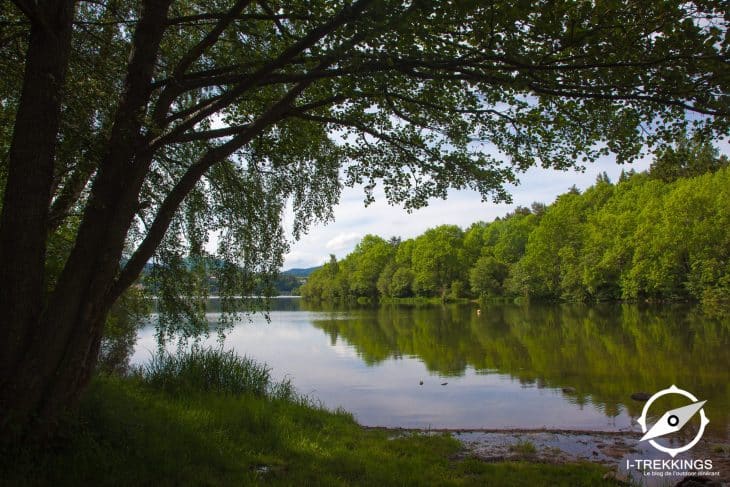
(24, 220)
(60, 341)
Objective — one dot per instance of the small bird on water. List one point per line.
(420, 383)
(444, 383)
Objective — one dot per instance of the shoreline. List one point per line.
(500, 430)
(614, 450)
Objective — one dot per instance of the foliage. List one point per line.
(437, 260)
(642, 238)
(368, 261)
(487, 276)
(687, 158)
(120, 331)
(524, 447)
(287, 284)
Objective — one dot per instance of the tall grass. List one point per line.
(213, 370)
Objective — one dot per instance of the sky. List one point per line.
(353, 220)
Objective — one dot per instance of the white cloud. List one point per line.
(301, 259)
(343, 241)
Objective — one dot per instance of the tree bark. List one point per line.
(24, 219)
(62, 339)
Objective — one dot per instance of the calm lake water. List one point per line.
(508, 367)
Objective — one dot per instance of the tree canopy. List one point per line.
(133, 130)
(639, 239)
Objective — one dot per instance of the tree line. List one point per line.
(657, 235)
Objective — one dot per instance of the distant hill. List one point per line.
(286, 283)
(301, 272)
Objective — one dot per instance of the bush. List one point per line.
(215, 370)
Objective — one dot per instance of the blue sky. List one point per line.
(353, 220)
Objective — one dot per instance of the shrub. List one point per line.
(215, 370)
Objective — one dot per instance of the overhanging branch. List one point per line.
(209, 134)
(175, 197)
(345, 15)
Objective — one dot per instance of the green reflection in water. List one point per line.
(606, 352)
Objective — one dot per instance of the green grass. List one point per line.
(134, 431)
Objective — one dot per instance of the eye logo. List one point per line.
(673, 420)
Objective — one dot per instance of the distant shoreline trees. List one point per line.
(646, 237)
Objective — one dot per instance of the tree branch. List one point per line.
(209, 134)
(394, 141)
(30, 10)
(215, 16)
(196, 51)
(172, 90)
(282, 30)
(169, 206)
(70, 194)
(661, 100)
(282, 60)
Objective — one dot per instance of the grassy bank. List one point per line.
(183, 424)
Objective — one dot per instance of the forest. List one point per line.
(658, 235)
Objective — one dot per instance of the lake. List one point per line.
(507, 366)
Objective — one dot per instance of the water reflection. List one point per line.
(506, 367)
